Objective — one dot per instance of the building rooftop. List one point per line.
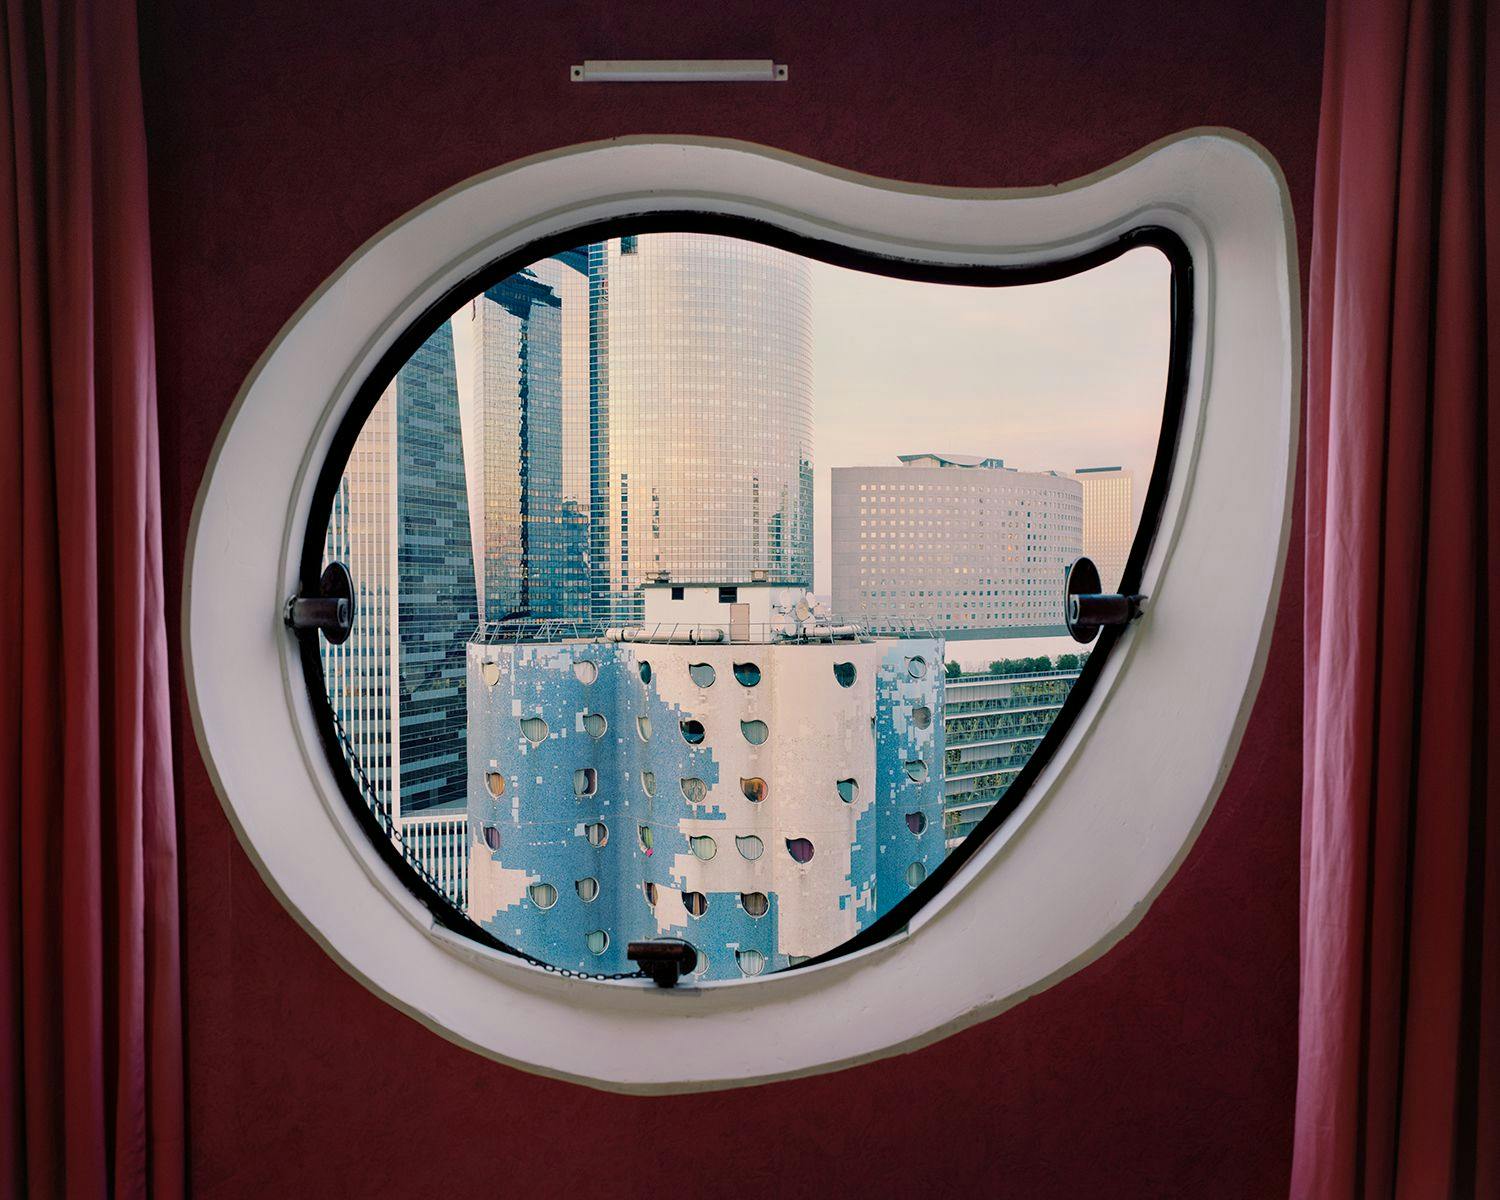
(739, 583)
(930, 459)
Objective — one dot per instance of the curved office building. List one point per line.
(958, 544)
(700, 415)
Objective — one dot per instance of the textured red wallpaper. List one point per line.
(283, 134)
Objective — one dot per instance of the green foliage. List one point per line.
(1067, 662)
(952, 669)
(1020, 666)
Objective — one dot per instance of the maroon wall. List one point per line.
(283, 134)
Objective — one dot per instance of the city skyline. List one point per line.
(650, 408)
(1072, 377)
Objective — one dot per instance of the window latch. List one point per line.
(331, 610)
(1087, 608)
(666, 960)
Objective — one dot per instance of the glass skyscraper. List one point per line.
(700, 415)
(566, 274)
(401, 524)
(515, 464)
(438, 605)
(607, 414)
(362, 534)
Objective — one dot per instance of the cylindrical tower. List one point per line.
(700, 415)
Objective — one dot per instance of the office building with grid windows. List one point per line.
(400, 523)
(1108, 519)
(360, 673)
(959, 544)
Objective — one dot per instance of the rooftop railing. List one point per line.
(979, 677)
(683, 633)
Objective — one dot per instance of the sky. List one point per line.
(1050, 376)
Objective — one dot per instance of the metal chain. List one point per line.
(387, 823)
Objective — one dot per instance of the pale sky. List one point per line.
(1049, 376)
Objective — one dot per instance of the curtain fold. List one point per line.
(1398, 1079)
(90, 995)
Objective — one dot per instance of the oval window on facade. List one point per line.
(703, 846)
(522, 493)
(543, 895)
(702, 674)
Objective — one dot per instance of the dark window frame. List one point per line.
(895, 919)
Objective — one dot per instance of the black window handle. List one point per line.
(1087, 609)
(331, 610)
(665, 960)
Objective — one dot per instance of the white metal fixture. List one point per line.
(1102, 829)
(678, 70)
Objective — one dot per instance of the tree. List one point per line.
(952, 669)
(1020, 666)
(1067, 662)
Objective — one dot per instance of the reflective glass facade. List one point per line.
(516, 467)
(700, 415)
(567, 275)
(400, 523)
(438, 606)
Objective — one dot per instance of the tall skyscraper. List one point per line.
(566, 273)
(1108, 519)
(360, 673)
(523, 396)
(700, 415)
(401, 524)
(956, 543)
(438, 605)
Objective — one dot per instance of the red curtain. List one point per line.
(1399, 1076)
(90, 998)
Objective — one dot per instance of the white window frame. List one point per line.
(1102, 829)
